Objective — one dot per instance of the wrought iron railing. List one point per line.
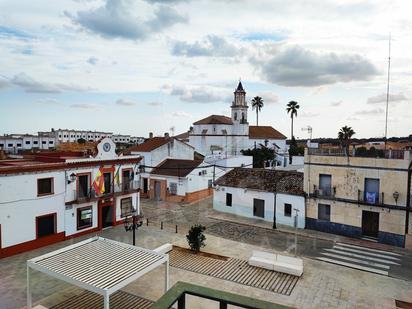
(328, 192)
(371, 198)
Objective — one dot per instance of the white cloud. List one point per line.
(298, 66)
(181, 114)
(123, 102)
(116, 19)
(381, 98)
(197, 94)
(336, 103)
(84, 106)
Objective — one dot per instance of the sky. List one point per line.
(140, 66)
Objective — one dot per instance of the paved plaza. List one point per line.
(323, 285)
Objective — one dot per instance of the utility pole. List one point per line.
(214, 166)
(387, 91)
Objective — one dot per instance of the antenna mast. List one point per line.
(387, 91)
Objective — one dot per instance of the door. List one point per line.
(145, 185)
(258, 208)
(157, 190)
(107, 216)
(83, 186)
(370, 223)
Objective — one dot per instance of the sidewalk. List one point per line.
(213, 214)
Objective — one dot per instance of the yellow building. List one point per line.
(359, 197)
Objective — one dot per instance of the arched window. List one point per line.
(243, 117)
(235, 116)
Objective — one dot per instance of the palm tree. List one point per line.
(292, 108)
(257, 103)
(344, 136)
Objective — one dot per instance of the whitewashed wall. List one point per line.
(71, 218)
(20, 205)
(242, 204)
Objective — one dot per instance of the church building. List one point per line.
(230, 135)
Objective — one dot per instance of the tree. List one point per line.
(257, 103)
(260, 155)
(196, 238)
(344, 135)
(292, 108)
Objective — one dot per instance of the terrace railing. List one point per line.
(371, 198)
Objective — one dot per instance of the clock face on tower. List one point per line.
(106, 147)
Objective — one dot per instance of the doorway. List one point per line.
(107, 216)
(258, 208)
(157, 190)
(370, 223)
(145, 185)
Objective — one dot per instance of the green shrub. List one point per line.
(195, 237)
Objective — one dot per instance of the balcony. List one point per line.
(371, 198)
(118, 189)
(327, 193)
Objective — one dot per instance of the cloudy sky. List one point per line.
(134, 66)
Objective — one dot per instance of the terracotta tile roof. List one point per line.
(215, 119)
(259, 132)
(148, 145)
(176, 167)
(289, 182)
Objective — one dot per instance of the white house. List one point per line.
(53, 196)
(230, 135)
(256, 193)
(182, 180)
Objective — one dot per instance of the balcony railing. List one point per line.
(371, 198)
(329, 192)
(177, 294)
(90, 193)
(379, 154)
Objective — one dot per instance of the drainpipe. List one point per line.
(408, 198)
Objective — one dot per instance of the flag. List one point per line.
(117, 177)
(98, 183)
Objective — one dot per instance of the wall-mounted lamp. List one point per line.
(396, 196)
(71, 178)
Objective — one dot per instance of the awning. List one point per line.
(98, 265)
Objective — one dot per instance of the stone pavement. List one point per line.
(322, 285)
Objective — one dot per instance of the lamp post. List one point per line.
(132, 223)
(296, 229)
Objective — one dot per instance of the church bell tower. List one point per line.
(239, 106)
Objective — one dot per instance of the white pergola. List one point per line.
(98, 265)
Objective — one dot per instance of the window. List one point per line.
(325, 184)
(27, 142)
(259, 208)
(44, 186)
(43, 142)
(84, 217)
(35, 142)
(9, 145)
(19, 145)
(288, 210)
(126, 206)
(46, 225)
(228, 199)
(60, 136)
(107, 182)
(324, 212)
(235, 116)
(50, 142)
(209, 183)
(83, 186)
(371, 190)
(1, 145)
(173, 188)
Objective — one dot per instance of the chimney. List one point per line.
(166, 134)
(150, 134)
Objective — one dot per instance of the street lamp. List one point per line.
(132, 223)
(296, 229)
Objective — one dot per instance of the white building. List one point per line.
(230, 135)
(15, 143)
(48, 198)
(256, 193)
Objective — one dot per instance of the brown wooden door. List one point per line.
(370, 223)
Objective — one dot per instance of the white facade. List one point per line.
(243, 201)
(21, 204)
(221, 134)
(174, 149)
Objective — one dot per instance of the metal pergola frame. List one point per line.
(99, 265)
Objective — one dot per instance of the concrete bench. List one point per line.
(281, 263)
(163, 249)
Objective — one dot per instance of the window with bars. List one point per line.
(173, 188)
